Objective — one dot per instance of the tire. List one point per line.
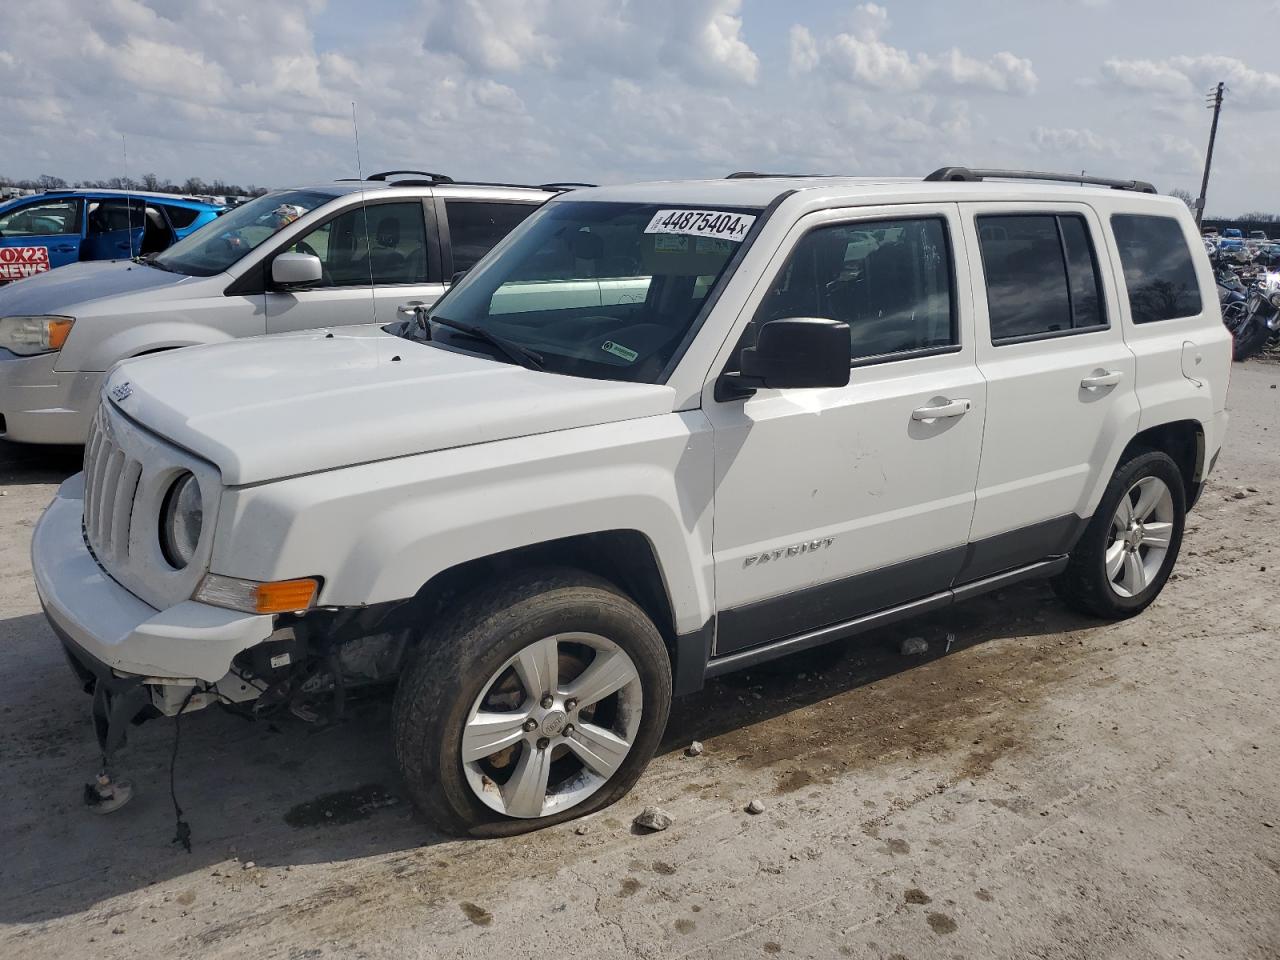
(481, 657)
(1088, 585)
(1249, 339)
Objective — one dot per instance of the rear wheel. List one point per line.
(535, 702)
(1128, 549)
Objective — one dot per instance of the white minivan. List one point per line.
(340, 253)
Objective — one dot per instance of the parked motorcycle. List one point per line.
(1255, 322)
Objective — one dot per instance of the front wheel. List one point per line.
(534, 702)
(1128, 549)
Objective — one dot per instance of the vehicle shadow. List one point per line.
(285, 793)
(22, 463)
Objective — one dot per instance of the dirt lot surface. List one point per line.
(1048, 787)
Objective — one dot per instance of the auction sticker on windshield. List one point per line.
(19, 262)
(701, 223)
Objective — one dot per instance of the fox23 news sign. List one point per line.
(19, 262)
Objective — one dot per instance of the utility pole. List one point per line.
(1215, 102)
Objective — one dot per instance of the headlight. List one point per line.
(181, 517)
(27, 336)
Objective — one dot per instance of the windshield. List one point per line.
(603, 290)
(219, 244)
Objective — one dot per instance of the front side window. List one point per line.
(219, 244)
(476, 226)
(1158, 270)
(382, 243)
(1042, 275)
(52, 219)
(595, 289)
(889, 280)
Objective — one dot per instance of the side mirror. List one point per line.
(793, 353)
(296, 270)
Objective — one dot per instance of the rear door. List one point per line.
(114, 228)
(376, 256)
(39, 236)
(1060, 378)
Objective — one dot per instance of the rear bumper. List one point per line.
(39, 404)
(106, 628)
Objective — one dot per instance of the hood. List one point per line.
(270, 407)
(60, 291)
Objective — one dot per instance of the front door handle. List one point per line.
(1099, 380)
(63, 249)
(952, 408)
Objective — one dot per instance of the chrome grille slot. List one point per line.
(111, 483)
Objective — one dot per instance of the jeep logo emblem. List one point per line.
(122, 391)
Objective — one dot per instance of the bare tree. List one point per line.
(1186, 196)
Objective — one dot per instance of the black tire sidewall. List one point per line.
(458, 660)
(1089, 555)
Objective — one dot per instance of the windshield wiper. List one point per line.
(517, 353)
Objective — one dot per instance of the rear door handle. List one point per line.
(952, 408)
(1097, 381)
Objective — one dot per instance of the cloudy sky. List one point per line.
(611, 90)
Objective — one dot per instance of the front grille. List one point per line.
(110, 486)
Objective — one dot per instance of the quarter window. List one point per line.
(890, 280)
(1042, 275)
(1158, 270)
(476, 226)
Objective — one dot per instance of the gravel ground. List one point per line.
(1048, 786)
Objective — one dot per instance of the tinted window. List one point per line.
(890, 280)
(54, 218)
(390, 248)
(476, 226)
(1041, 275)
(111, 216)
(180, 217)
(1158, 269)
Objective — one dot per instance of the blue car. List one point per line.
(53, 229)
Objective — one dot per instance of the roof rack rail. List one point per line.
(437, 177)
(974, 175)
(753, 175)
(562, 186)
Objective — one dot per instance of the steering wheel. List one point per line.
(303, 247)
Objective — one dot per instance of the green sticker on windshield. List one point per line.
(618, 350)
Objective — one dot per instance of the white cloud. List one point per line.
(862, 56)
(1060, 140)
(1187, 77)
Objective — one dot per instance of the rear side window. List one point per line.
(180, 217)
(1158, 270)
(889, 280)
(1042, 276)
(475, 226)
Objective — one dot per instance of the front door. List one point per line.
(374, 256)
(39, 236)
(834, 503)
(114, 229)
(1060, 379)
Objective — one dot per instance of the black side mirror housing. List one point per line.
(791, 353)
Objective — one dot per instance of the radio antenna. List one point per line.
(364, 215)
(128, 199)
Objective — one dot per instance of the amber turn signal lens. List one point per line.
(58, 332)
(283, 596)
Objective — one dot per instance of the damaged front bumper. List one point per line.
(129, 654)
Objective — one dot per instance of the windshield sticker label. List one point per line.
(670, 243)
(701, 223)
(618, 350)
(19, 262)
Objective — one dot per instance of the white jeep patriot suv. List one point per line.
(661, 432)
(338, 253)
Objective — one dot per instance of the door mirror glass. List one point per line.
(795, 353)
(296, 270)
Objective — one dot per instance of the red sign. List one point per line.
(19, 262)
